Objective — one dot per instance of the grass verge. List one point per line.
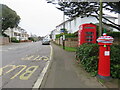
(70, 49)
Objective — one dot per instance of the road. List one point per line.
(23, 63)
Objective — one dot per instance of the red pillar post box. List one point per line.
(104, 43)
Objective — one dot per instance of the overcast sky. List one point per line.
(37, 16)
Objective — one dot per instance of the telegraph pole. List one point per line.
(64, 30)
(100, 18)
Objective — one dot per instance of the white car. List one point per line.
(45, 42)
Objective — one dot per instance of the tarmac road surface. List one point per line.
(22, 64)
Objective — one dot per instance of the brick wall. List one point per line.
(4, 40)
(71, 42)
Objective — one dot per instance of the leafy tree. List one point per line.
(9, 18)
(85, 9)
(31, 38)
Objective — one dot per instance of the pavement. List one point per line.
(63, 72)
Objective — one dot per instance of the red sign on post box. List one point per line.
(87, 34)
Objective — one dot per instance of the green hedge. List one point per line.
(115, 61)
(69, 35)
(87, 55)
(13, 39)
(31, 38)
(58, 35)
(114, 34)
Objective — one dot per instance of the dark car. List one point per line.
(45, 42)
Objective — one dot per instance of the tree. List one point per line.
(9, 18)
(86, 9)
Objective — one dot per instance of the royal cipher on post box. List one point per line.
(87, 34)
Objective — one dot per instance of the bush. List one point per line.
(87, 54)
(114, 34)
(58, 35)
(69, 35)
(115, 61)
(13, 39)
(31, 38)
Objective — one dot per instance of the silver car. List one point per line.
(45, 42)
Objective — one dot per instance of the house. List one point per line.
(17, 32)
(72, 24)
(54, 33)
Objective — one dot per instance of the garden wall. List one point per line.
(69, 42)
(73, 42)
(4, 40)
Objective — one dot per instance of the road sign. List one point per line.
(62, 30)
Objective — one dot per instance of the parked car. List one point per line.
(45, 42)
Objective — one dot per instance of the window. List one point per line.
(89, 32)
(89, 36)
(19, 34)
(88, 40)
(15, 34)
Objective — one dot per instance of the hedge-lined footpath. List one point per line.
(87, 55)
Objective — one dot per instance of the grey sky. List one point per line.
(37, 16)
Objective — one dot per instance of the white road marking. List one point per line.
(42, 74)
